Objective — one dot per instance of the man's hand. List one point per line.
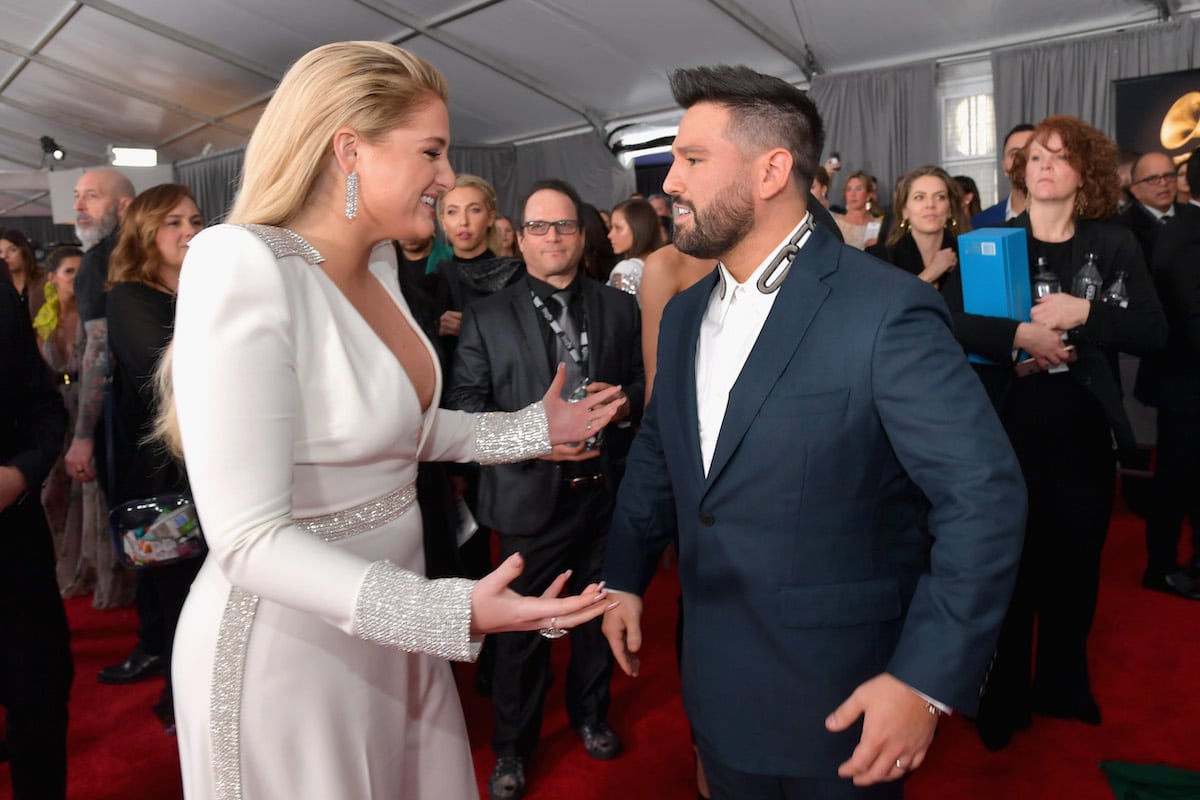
(1061, 311)
(12, 486)
(897, 727)
(572, 452)
(78, 460)
(623, 628)
(450, 323)
(620, 399)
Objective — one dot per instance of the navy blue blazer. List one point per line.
(991, 217)
(863, 512)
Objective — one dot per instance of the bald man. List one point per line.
(101, 197)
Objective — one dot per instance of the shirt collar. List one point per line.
(1154, 212)
(725, 279)
(544, 290)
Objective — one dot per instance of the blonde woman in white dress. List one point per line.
(309, 660)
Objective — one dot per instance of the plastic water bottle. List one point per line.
(1116, 294)
(1045, 282)
(1087, 281)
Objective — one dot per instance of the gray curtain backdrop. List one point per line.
(1075, 77)
(214, 180)
(582, 160)
(883, 121)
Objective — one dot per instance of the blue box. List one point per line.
(994, 263)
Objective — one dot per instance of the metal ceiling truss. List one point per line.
(471, 50)
(802, 58)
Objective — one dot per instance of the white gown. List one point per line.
(309, 659)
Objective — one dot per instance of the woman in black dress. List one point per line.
(144, 276)
(1062, 422)
(929, 204)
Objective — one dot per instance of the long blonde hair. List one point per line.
(372, 87)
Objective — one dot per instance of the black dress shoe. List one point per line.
(600, 741)
(1176, 583)
(139, 666)
(1085, 711)
(508, 779)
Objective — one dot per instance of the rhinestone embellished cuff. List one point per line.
(508, 437)
(398, 608)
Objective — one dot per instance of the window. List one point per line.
(968, 125)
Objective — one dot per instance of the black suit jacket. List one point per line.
(501, 365)
(1170, 378)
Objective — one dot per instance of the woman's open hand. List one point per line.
(575, 422)
(495, 608)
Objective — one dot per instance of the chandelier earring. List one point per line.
(352, 195)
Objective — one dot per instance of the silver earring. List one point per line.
(352, 195)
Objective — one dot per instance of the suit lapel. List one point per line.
(531, 332)
(800, 297)
(593, 310)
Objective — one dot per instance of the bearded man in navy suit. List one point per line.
(849, 510)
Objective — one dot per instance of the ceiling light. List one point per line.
(52, 149)
(134, 156)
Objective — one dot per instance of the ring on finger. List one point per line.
(899, 764)
(552, 631)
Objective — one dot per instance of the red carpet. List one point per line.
(1146, 675)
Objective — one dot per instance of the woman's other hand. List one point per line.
(495, 608)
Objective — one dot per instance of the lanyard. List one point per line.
(578, 355)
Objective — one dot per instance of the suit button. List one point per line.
(707, 519)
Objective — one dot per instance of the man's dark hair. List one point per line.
(1193, 172)
(554, 185)
(1019, 128)
(765, 112)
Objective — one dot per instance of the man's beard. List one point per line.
(89, 237)
(721, 225)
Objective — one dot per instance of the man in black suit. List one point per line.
(555, 512)
(1169, 380)
(35, 658)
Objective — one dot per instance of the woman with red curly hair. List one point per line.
(1063, 418)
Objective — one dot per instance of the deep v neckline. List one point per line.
(314, 257)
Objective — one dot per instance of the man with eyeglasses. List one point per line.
(1169, 233)
(555, 511)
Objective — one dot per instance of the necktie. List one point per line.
(562, 315)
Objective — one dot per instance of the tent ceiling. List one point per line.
(189, 75)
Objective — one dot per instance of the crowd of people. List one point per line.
(371, 380)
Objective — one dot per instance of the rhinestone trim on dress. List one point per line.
(225, 706)
(284, 242)
(507, 437)
(367, 516)
(401, 609)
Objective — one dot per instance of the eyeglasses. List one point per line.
(540, 227)
(1157, 180)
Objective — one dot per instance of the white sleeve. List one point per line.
(236, 395)
(492, 437)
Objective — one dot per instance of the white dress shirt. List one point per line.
(732, 322)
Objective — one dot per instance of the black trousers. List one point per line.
(1176, 490)
(1070, 473)
(574, 539)
(726, 783)
(35, 656)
